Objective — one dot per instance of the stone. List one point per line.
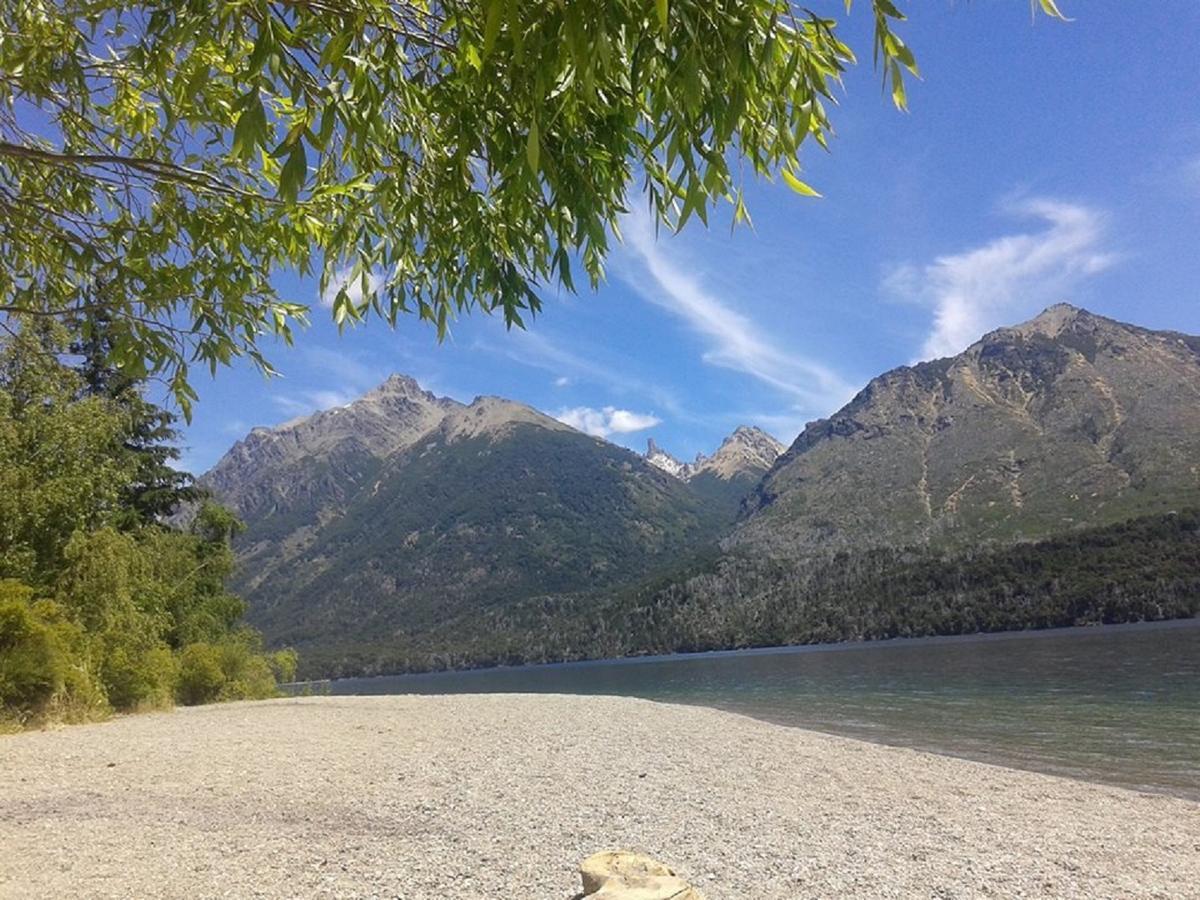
(624, 875)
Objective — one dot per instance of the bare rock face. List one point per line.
(313, 463)
(747, 453)
(660, 458)
(1068, 420)
(748, 450)
(623, 875)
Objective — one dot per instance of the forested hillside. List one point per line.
(472, 517)
(1024, 483)
(1141, 570)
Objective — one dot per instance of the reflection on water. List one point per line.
(1118, 704)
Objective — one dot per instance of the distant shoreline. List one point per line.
(469, 796)
(831, 646)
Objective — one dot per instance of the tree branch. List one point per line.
(155, 168)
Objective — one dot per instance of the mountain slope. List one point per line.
(310, 465)
(494, 504)
(1070, 419)
(726, 478)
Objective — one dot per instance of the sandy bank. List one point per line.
(500, 796)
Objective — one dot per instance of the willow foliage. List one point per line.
(160, 161)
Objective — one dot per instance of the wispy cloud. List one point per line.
(736, 342)
(305, 403)
(1008, 278)
(606, 421)
(354, 286)
(353, 373)
(535, 349)
(352, 369)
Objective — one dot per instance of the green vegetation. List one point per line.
(449, 526)
(1143, 569)
(103, 607)
(161, 162)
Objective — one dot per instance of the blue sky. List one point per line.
(1039, 162)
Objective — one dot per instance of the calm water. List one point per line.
(1118, 704)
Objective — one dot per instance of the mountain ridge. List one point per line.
(408, 531)
(1067, 419)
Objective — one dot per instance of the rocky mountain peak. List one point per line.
(748, 451)
(1067, 420)
(1051, 321)
(271, 466)
(659, 458)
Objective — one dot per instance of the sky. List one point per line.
(1039, 162)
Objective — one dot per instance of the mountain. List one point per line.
(403, 510)
(311, 465)
(661, 459)
(1067, 420)
(726, 478)
(1047, 475)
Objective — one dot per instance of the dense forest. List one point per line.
(1140, 570)
(103, 607)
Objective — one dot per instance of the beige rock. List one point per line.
(623, 875)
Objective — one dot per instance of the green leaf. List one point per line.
(294, 174)
(1050, 8)
(798, 186)
(491, 26)
(533, 147)
(663, 11)
(250, 130)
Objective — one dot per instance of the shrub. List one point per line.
(32, 667)
(200, 674)
(137, 678)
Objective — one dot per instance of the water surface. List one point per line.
(1117, 704)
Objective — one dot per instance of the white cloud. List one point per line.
(736, 341)
(354, 374)
(1007, 279)
(606, 421)
(535, 349)
(307, 402)
(343, 278)
(342, 365)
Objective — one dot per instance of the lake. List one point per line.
(1117, 704)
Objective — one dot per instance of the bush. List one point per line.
(200, 675)
(32, 664)
(283, 664)
(231, 670)
(137, 678)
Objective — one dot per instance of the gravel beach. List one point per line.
(502, 795)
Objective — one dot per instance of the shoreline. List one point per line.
(479, 795)
(1178, 622)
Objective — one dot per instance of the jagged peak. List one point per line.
(1052, 321)
(746, 449)
(752, 435)
(397, 383)
(661, 459)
